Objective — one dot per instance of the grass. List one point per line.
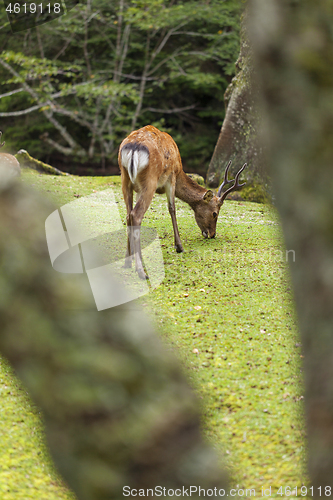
(226, 308)
(26, 470)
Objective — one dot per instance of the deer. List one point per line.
(149, 162)
(9, 166)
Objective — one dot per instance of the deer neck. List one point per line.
(188, 190)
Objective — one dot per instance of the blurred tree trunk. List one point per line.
(293, 42)
(117, 408)
(238, 137)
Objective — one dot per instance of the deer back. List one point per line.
(9, 167)
(148, 154)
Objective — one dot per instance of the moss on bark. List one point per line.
(28, 161)
(238, 139)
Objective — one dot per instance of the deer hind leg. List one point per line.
(137, 215)
(127, 187)
(129, 253)
(170, 192)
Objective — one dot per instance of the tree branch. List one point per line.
(204, 35)
(62, 149)
(75, 117)
(118, 43)
(164, 41)
(124, 46)
(12, 92)
(132, 77)
(24, 111)
(181, 70)
(169, 111)
(48, 114)
(94, 129)
(142, 84)
(85, 44)
(40, 44)
(61, 51)
(177, 52)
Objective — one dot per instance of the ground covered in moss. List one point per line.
(226, 308)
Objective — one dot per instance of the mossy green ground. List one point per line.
(226, 308)
(26, 470)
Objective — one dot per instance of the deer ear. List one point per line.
(208, 196)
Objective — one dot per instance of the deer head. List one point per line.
(206, 211)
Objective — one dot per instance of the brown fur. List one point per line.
(10, 164)
(164, 173)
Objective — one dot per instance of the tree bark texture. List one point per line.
(293, 43)
(238, 137)
(117, 408)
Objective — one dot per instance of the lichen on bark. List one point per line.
(238, 139)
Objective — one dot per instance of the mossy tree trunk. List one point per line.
(293, 43)
(238, 137)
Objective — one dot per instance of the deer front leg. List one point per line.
(170, 192)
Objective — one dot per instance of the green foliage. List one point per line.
(34, 68)
(103, 70)
(256, 192)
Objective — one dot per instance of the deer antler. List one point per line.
(225, 181)
(0, 140)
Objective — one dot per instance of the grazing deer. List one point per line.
(150, 162)
(9, 166)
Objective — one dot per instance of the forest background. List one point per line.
(71, 90)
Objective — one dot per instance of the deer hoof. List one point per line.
(128, 263)
(179, 248)
(142, 275)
